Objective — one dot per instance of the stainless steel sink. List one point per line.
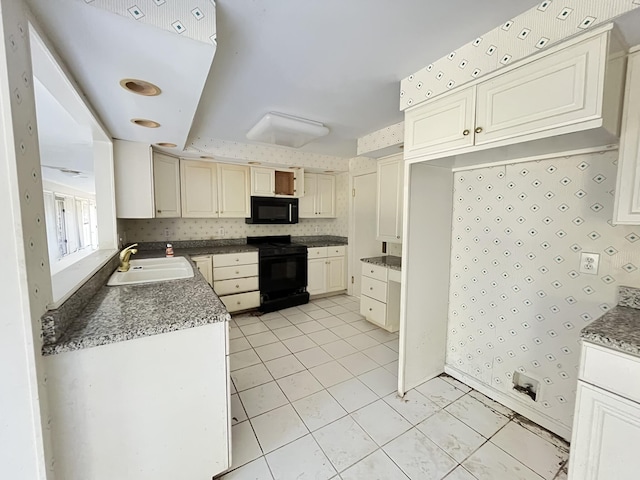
(152, 270)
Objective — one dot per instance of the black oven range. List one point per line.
(282, 272)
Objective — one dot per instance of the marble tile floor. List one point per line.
(314, 397)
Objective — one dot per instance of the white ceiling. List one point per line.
(333, 61)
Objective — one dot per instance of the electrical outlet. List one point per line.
(167, 233)
(316, 229)
(589, 263)
(221, 232)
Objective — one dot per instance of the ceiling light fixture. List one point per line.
(140, 87)
(145, 123)
(166, 144)
(286, 130)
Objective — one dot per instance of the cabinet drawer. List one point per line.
(374, 271)
(316, 252)
(598, 364)
(241, 301)
(375, 289)
(230, 259)
(373, 310)
(237, 285)
(338, 251)
(226, 273)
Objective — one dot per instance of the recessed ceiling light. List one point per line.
(145, 123)
(166, 144)
(140, 87)
(255, 163)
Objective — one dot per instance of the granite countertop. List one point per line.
(389, 261)
(320, 243)
(620, 327)
(116, 314)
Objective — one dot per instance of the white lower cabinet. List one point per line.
(606, 429)
(380, 296)
(326, 270)
(235, 280)
(203, 263)
(155, 407)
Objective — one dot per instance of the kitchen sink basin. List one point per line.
(151, 270)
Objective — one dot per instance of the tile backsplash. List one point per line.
(517, 297)
(155, 230)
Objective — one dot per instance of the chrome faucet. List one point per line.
(125, 255)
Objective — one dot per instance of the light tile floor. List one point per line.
(314, 397)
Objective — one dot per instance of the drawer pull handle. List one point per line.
(237, 259)
(237, 286)
(371, 309)
(237, 272)
(238, 302)
(370, 288)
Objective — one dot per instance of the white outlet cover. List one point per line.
(589, 263)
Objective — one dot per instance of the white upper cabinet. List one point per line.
(212, 190)
(263, 182)
(627, 200)
(166, 181)
(447, 124)
(390, 198)
(234, 183)
(551, 92)
(133, 175)
(565, 98)
(199, 181)
(319, 200)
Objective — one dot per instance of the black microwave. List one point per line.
(272, 210)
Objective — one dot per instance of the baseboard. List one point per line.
(328, 294)
(512, 403)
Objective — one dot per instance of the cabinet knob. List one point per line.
(237, 272)
(237, 286)
(371, 309)
(159, 211)
(371, 271)
(238, 302)
(370, 288)
(398, 237)
(479, 130)
(466, 132)
(237, 259)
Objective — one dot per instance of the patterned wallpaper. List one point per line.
(22, 164)
(281, 156)
(548, 23)
(385, 137)
(358, 164)
(195, 19)
(517, 298)
(153, 230)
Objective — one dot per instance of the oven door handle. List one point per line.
(289, 212)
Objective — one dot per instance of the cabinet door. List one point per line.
(627, 201)
(166, 183)
(390, 197)
(205, 266)
(326, 196)
(234, 187)
(554, 91)
(440, 125)
(606, 435)
(336, 274)
(199, 189)
(307, 203)
(133, 175)
(317, 276)
(263, 182)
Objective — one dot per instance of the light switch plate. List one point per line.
(589, 263)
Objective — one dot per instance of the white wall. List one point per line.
(153, 230)
(25, 285)
(517, 299)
